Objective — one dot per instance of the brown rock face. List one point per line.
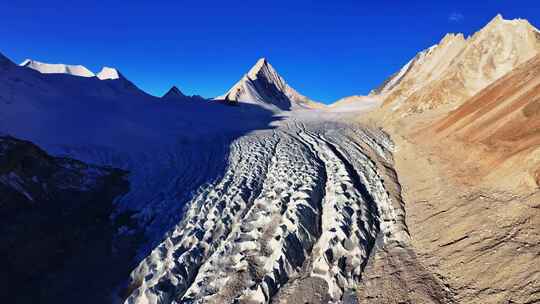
(457, 68)
(505, 119)
(468, 159)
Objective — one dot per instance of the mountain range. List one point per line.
(459, 67)
(425, 191)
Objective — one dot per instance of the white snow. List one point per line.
(108, 73)
(263, 86)
(57, 68)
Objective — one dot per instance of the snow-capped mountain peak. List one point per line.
(108, 73)
(264, 86)
(57, 68)
(263, 69)
(258, 65)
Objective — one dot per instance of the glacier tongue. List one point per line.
(304, 203)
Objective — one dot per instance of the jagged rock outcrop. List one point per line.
(457, 68)
(57, 234)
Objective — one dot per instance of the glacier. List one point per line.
(253, 197)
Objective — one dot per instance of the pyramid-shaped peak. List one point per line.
(261, 62)
(498, 17)
(263, 85)
(174, 92)
(108, 73)
(260, 65)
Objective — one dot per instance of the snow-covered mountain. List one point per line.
(262, 85)
(458, 67)
(170, 149)
(221, 194)
(108, 73)
(57, 68)
(235, 204)
(112, 77)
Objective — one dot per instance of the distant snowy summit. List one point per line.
(57, 68)
(110, 77)
(108, 73)
(262, 85)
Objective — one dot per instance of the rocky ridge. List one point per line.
(457, 68)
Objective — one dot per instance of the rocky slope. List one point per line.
(472, 213)
(457, 68)
(504, 120)
(480, 237)
(54, 220)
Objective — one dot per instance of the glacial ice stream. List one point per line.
(307, 199)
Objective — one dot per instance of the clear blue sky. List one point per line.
(324, 49)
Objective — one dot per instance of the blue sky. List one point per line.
(324, 49)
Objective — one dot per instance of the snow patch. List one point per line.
(108, 73)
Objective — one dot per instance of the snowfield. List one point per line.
(243, 203)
